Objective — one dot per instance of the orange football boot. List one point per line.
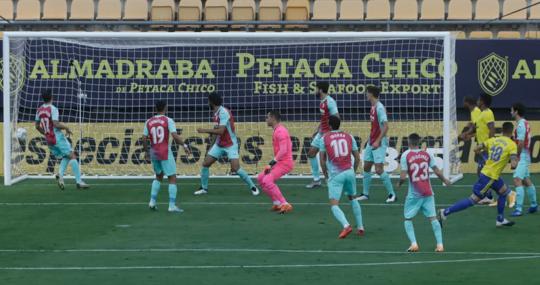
(345, 232)
(285, 208)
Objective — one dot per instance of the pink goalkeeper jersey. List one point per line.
(281, 141)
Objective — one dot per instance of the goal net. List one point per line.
(105, 86)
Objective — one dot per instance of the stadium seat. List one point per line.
(28, 10)
(509, 35)
(460, 35)
(109, 10)
(487, 9)
(351, 10)
(481, 35)
(6, 9)
(324, 10)
(216, 10)
(54, 10)
(460, 10)
(270, 10)
(243, 10)
(406, 10)
(82, 10)
(378, 10)
(297, 10)
(138, 9)
(513, 5)
(162, 10)
(535, 12)
(190, 10)
(432, 10)
(532, 35)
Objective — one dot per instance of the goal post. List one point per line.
(105, 84)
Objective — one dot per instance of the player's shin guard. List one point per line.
(245, 177)
(387, 182)
(76, 170)
(205, 173)
(155, 190)
(520, 197)
(531, 192)
(501, 203)
(63, 166)
(314, 162)
(366, 182)
(436, 226)
(340, 216)
(357, 211)
(459, 206)
(173, 190)
(409, 229)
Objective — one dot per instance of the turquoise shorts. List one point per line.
(317, 141)
(62, 148)
(166, 167)
(375, 155)
(230, 152)
(522, 169)
(345, 181)
(415, 204)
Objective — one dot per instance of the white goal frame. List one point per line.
(447, 57)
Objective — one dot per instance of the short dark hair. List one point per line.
(519, 108)
(469, 100)
(160, 105)
(507, 127)
(215, 99)
(275, 114)
(486, 98)
(374, 90)
(334, 122)
(323, 86)
(414, 139)
(46, 95)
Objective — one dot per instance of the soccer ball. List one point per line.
(21, 135)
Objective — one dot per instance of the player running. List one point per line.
(416, 163)
(336, 150)
(48, 124)
(500, 151)
(226, 144)
(280, 165)
(157, 130)
(375, 151)
(522, 177)
(328, 107)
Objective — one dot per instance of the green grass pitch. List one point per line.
(107, 235)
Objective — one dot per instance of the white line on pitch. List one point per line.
(45, 204)
(262, 266)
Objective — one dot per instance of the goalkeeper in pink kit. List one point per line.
(280, 165)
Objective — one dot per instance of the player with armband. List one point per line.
(157, 130)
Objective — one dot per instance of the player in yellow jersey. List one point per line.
(500, 150)
(468, 132)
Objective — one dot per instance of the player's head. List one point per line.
(273, 118)
(215, 100)
(484, 100)
(373, 92)
(507, 129)
(469, 102)
(414, 140)
(334, 122)
(46, 95)
(322, 88)
(518, 109)
(161, 106)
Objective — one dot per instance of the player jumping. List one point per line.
(375, 151)
(157, 130)
(48, 124)
(280, 165)
(522, 177)
(226, 144)
(416, 163)
(336, 150)
(328, 107)
(500, 151)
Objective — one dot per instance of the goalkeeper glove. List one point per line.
(269, 166)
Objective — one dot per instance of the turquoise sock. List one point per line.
(387, 182)
(436, 226)
(409, 229)
(531, 192)
(76, 170)
(366, 182)
(357, 211)
(172, 195)
(205, 172)
(243, 174)
(340, 216)
(520, 197)
(314, 162)
(63, 166)
(155, 190)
